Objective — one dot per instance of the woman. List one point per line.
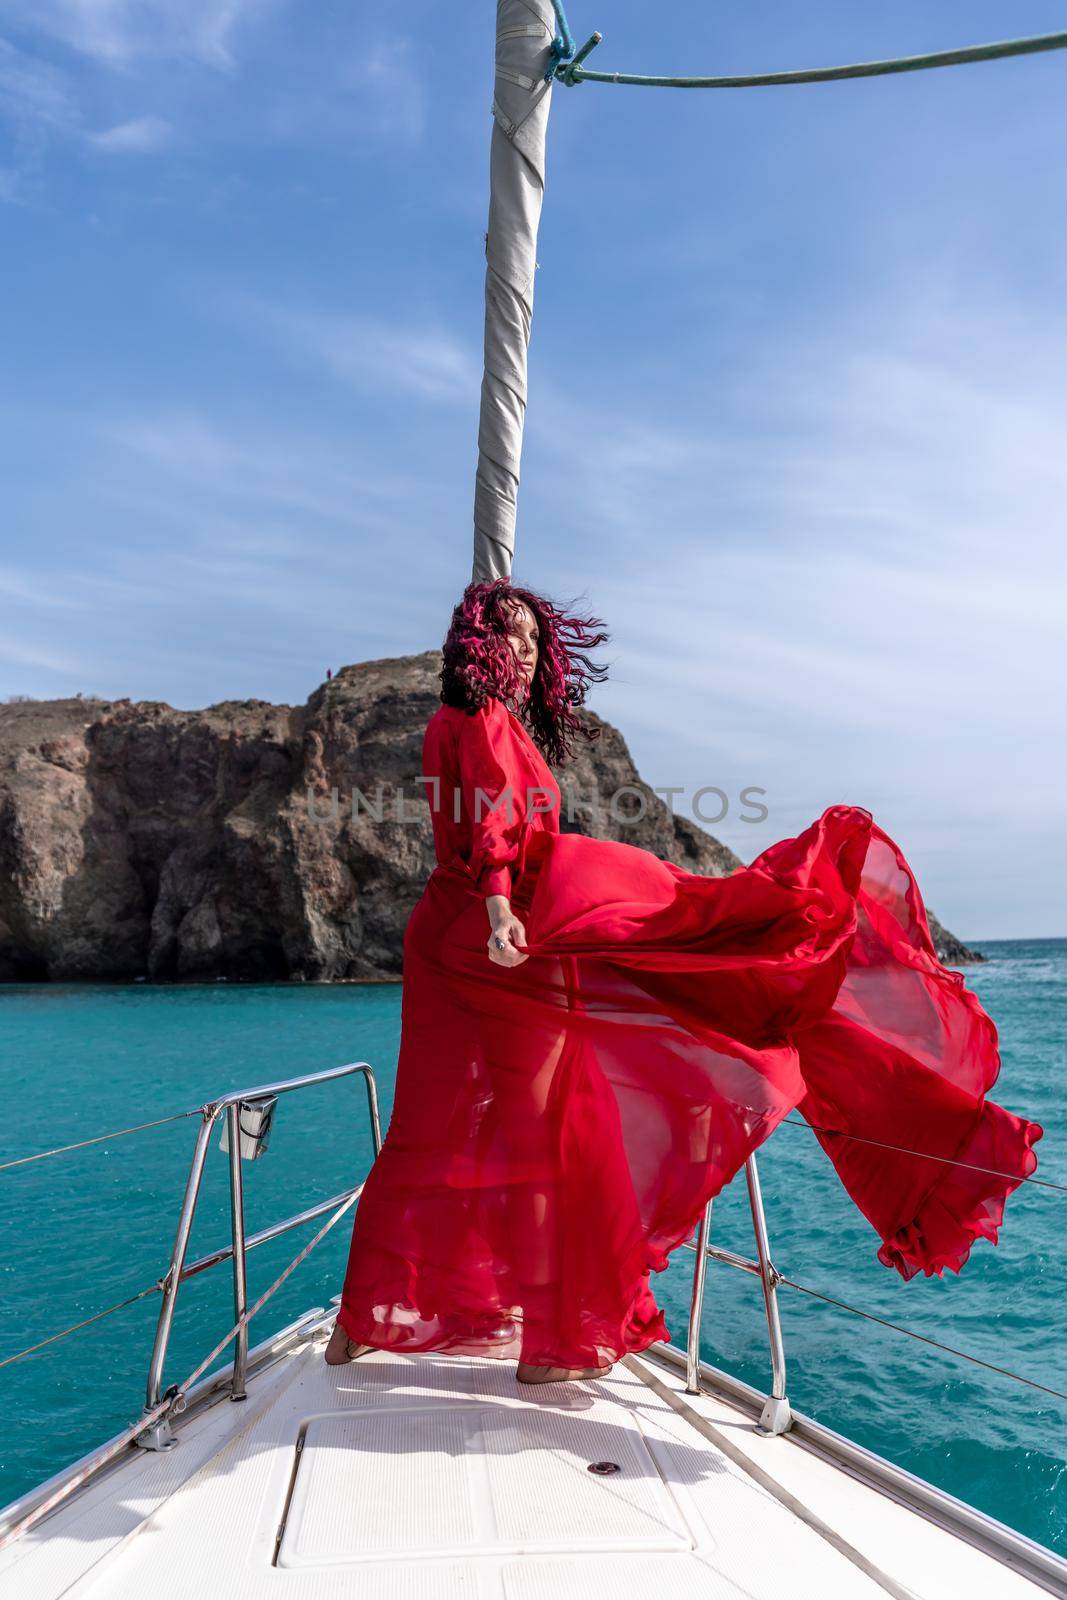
(593, 1040)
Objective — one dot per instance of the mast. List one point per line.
(525, 30)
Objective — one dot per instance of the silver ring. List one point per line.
(498, 941)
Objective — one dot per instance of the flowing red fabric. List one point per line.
(558, 1127)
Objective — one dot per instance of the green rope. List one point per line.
(561, 50)
(572, 72)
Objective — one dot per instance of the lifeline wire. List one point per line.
(174, 1399)
(567, 64)
(61, 1149)
(120, 1305)
(926, 1155)
(154, 1288)
(839, 1133)
(923, 1338)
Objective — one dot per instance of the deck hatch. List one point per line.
(419, 1482)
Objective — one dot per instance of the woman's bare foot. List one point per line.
(529, 1374)
(341, 1348)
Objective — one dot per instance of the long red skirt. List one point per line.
(558, 1127)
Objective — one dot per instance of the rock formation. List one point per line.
(254, 841)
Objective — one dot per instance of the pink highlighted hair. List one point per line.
(479, 663)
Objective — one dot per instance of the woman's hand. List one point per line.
(507, 933)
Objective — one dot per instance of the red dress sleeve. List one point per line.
(493, 799)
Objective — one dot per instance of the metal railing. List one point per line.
(776, 1415)
(157, 1434)
(160, 1436)
(229, 1106)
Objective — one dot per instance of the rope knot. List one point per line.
(561, 50)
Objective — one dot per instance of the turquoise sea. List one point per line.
(84, 1230)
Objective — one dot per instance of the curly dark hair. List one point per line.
(479, 663)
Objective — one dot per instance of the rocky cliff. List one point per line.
(249, 840)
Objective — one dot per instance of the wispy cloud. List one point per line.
(121, 32)
(69, 66)
(16, 586)
(42, 100)
(14, 652)
(32, 89)
(838, 573)
(40, 109)
(262, 550)
(388, 76)
(245, 478)
(141, 134)
(36, 105)
(373, 355)
(363, 96)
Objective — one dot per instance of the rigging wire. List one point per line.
(565, 63)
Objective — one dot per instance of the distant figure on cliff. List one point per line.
(329, 674)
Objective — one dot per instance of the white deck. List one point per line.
(428, 1478)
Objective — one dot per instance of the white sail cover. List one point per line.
(524, 32)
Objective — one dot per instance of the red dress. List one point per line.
(559, 1126)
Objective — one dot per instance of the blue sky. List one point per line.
(798, 407)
